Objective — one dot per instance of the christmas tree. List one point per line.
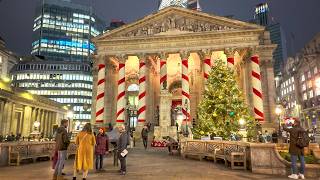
(223, 108)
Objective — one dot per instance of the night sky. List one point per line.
(300, 19)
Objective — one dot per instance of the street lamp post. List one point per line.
(278, 111)
(69, 116)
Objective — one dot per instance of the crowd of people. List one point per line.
(91, 150)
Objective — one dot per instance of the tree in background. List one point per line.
(223, 106)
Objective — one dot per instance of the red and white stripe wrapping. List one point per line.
(206, 68)
(230, 61)
(100, 94)
(256, 88)
(163, 72)
(185, 90)
(121, 102)
(142, 93)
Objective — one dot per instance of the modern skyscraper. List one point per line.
(62, 70)
(190, 4)
(262, 17)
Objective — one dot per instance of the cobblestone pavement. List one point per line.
(142, 165)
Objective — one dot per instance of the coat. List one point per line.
(144, 133)
(294, 133)
(62, 139)
(123, 142)
(102, 144)
(84, 157)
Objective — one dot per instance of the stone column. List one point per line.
(142, 90)
(163, 71)
(230, 57)
(27, 119)
(121, 101)
(9, 117)
(2, 105)
(185, 86)
(206, 56)
(100, 102)
(256, 87)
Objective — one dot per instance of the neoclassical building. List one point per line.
(146, 70)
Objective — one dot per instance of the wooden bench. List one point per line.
(235, 154)
(17, 153)
(194, 148)
(212, 148)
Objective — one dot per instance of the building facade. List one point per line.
(20, 110)
(7, 60)
(262, 17)
(69, 83)
(62, 34)
(161, 62)
(299, 86)
(190, 4)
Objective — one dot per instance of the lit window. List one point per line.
(305, 97)
(0, 59)
(309, 74)
(318, 92)
(303, 78)
(315, 70)
(310, 84)
(311, 94)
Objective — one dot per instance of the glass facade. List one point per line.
(69, 83)
(190, 4)
(62, 31)
(61, 66)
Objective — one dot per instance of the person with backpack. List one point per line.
(298, 140)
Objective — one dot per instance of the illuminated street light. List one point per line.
(70, 114)
(278, 111)
(242, 121)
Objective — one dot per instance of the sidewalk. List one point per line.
(153, 164)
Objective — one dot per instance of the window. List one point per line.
(311, 94)
(305, 97)
(315, 70)
(309, 74)
(303, 78)
(318, 92)
(304, 87)
(310, 84)
(0, 59)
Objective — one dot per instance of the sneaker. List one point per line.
(301, 176)
(123, 173)
(293, 176)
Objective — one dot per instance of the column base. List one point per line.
(162, 131)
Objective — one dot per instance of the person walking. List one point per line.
(102, 148)
(144, 136)
(122, 149)
(296, 152)
(84, 157)
(62, 143)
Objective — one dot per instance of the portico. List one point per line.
(170, 54)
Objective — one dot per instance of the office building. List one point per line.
(263, 17)
(60, 67)
(190, 4)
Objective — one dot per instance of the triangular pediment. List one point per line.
(176, 20)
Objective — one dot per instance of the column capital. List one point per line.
(164, 56)
(121, 58)
(184, 54)
(205, 53)
(229, 52)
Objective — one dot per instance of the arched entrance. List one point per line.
(132, 105)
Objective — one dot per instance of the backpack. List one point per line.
(303, 139)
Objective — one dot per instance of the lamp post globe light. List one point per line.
(69, 116)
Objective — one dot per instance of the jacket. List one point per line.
(102, 144)
(62, 139)
(294, 133)
(122, 142)
(144, 133)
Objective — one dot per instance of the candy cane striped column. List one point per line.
(163, 71)
(230, 58)
(100, 94)
(206, 64)
(256, 88)
(142, 93)
(121, 102)
(185, 87)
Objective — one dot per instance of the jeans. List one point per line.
(99, 161)
(145, 142)
(60, 162)
(294, 164)
(123, 163)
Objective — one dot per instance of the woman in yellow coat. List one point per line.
(84, 157)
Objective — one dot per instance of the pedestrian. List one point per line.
(295, 151)
(62, 143)
(144, 136)
(274, 137)
(102, 148)
(85, 141)
(122, 149)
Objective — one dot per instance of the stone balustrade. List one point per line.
(262, 158)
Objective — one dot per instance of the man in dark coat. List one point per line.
(62, 143)
(144, 136)
(122, 148)
(295, 151)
